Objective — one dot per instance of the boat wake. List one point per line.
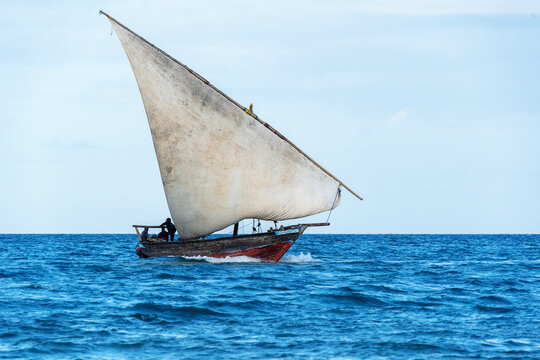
(299, 259)
(214, 260)
(289, 259)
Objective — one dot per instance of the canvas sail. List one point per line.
(218, 164)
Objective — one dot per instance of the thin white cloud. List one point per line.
(449, 7)
(399, 7)
(398, 118)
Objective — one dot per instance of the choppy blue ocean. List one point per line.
(331, 296)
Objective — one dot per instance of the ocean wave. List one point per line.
(254, 304)
(493, 309)
(145, 317)
(421, 304)
(8, 334)
(410, 346)
(175, 310)
(427, 273)
(166, 276)
(385, 288)
(358, 299)
(456, 290)
(495, 299)
(298, 259)
(39, 287)
(99, 268)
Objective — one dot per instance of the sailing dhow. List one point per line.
(220, 163)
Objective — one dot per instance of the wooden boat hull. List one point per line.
(269, 246)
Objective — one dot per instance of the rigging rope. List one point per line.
(337, 193)
(241, 227)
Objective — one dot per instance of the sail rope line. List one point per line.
(335, 198)
(241, 227)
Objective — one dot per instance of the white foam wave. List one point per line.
(234, 259)
(299, 259)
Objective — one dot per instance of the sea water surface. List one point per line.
(331, 296)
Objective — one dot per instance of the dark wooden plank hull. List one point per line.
(270, 246)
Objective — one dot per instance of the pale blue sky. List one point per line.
(428, 109)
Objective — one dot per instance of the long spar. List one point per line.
(281, 136)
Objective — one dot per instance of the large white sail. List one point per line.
(218, 164)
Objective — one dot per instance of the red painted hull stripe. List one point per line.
(272, 252)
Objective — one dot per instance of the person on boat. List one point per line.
(250, 110)
(144, 234)
(163, 234)
(170, 228)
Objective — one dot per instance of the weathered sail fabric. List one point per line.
(218, 164)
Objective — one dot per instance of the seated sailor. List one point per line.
(163, 235)
(144, 234)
